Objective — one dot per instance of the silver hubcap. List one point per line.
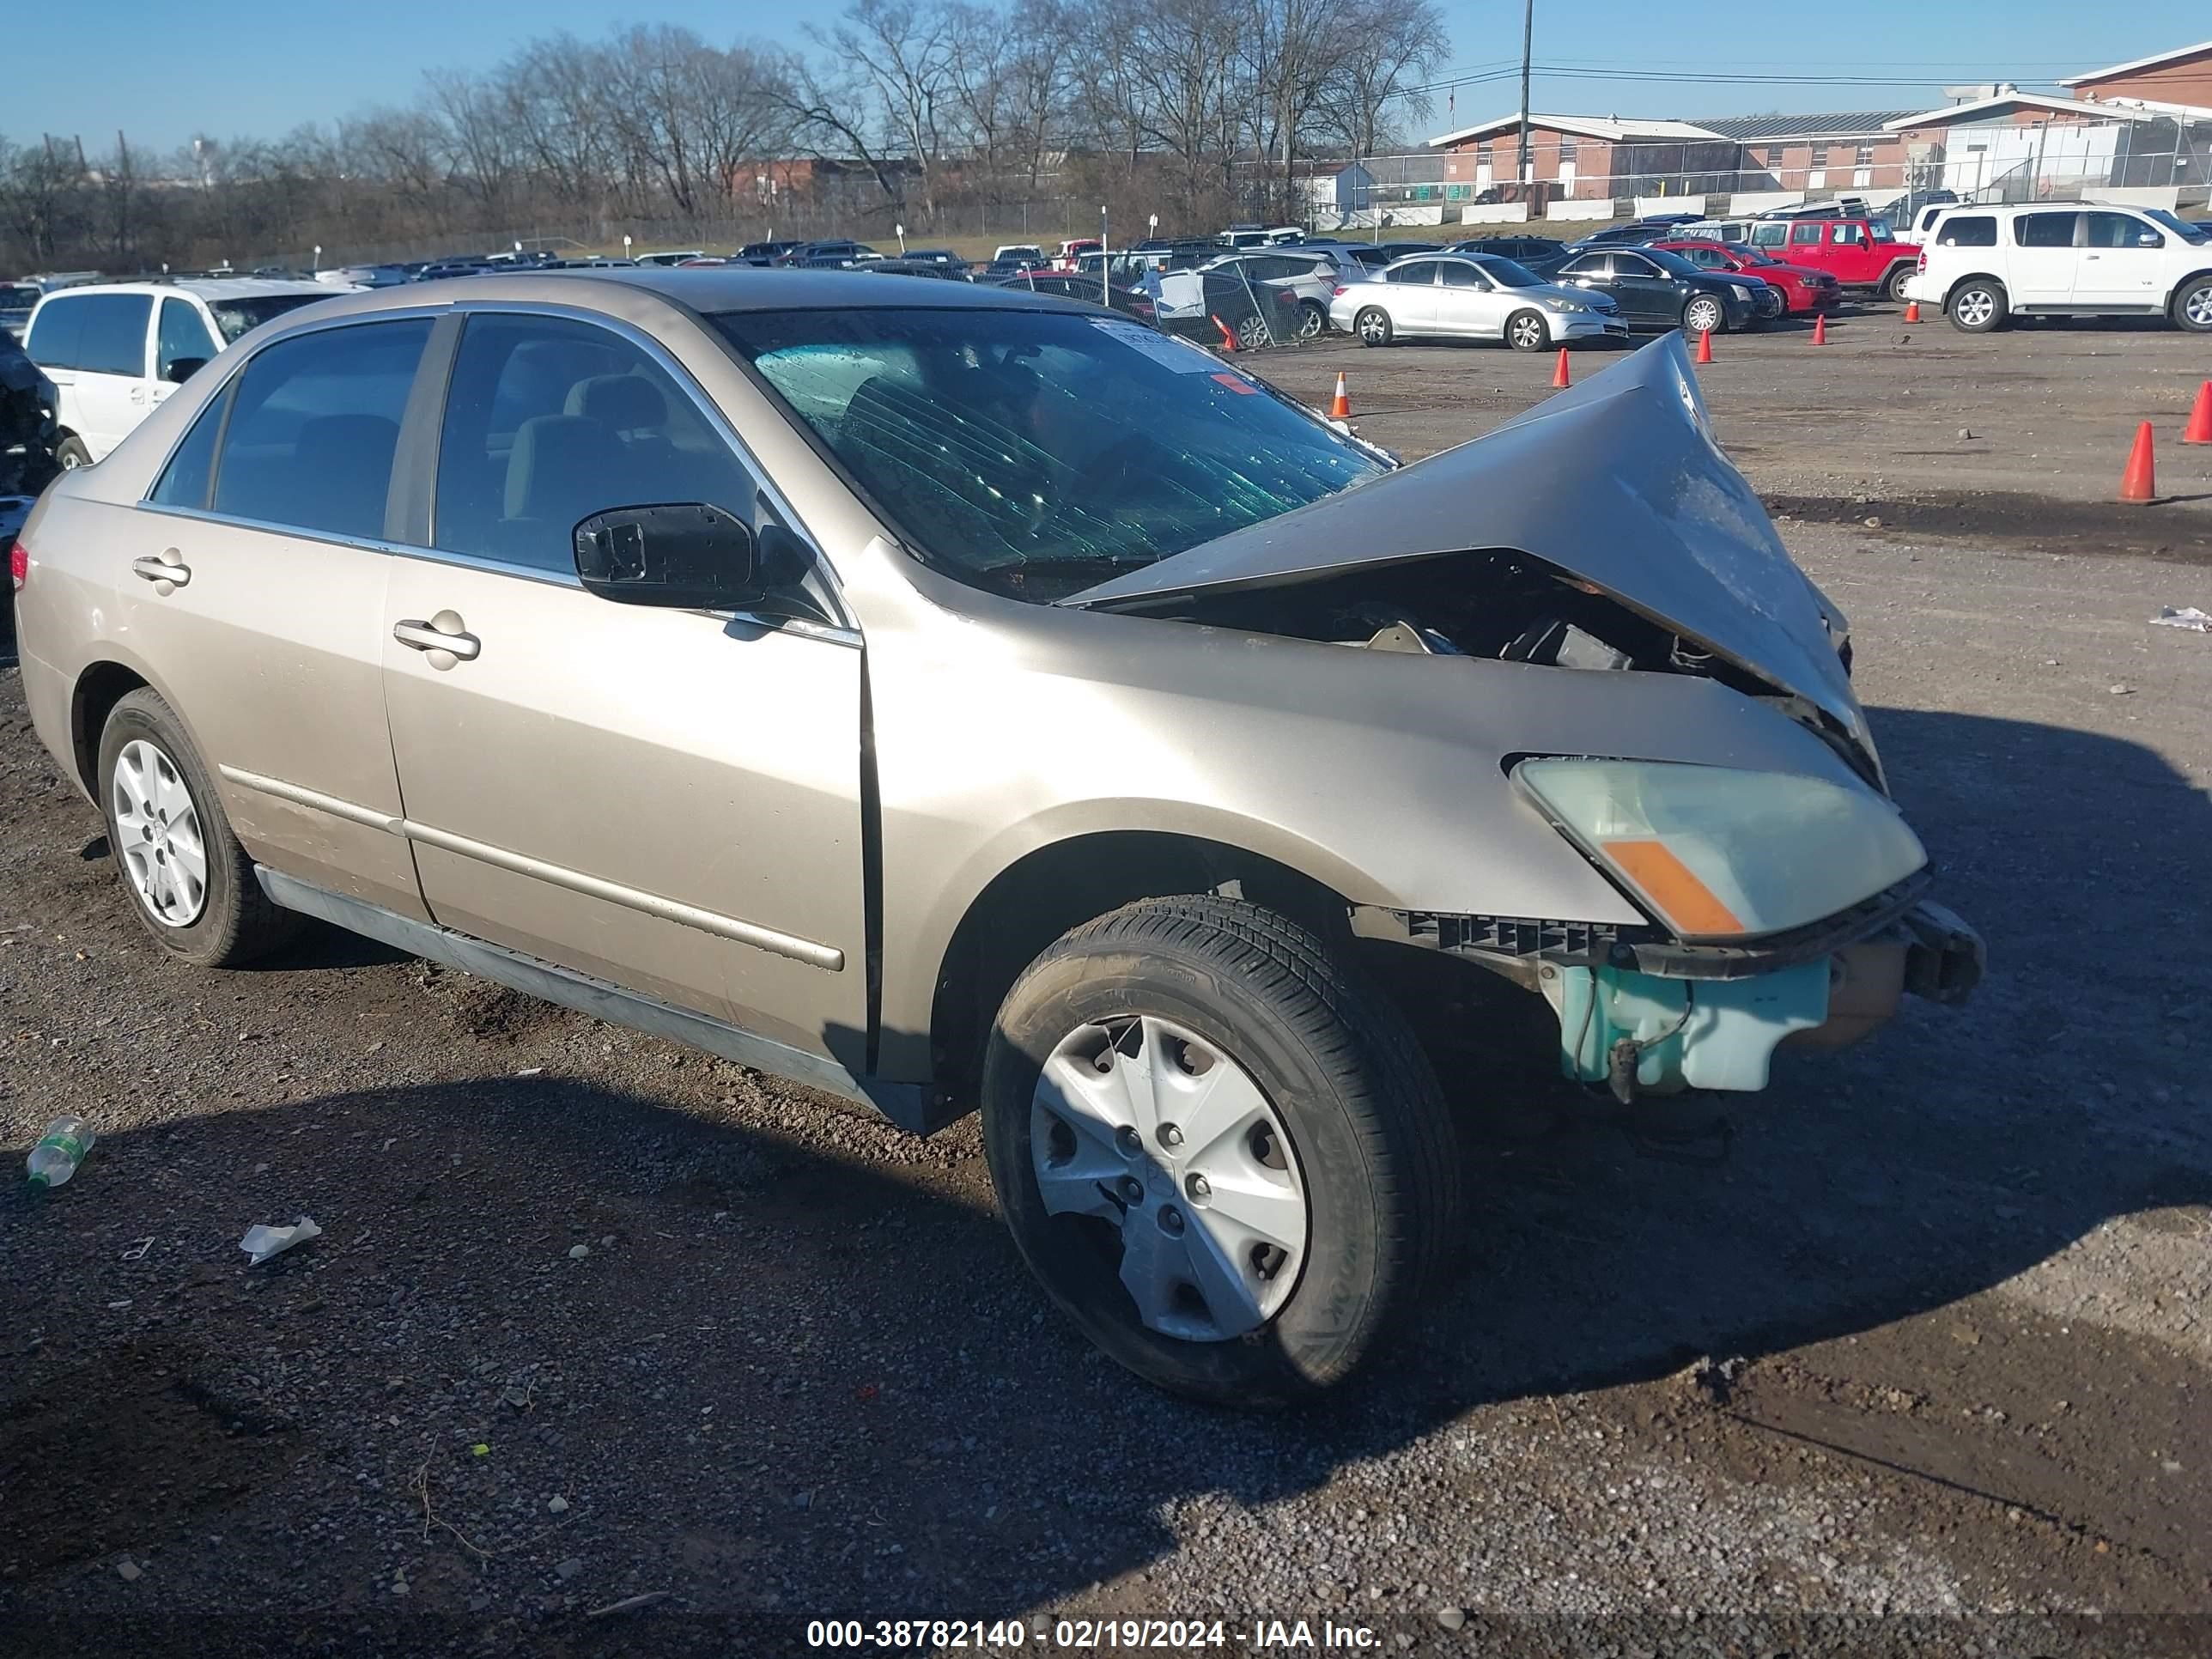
(1976, 307)
(1253, 333)
(1371, 327)
(1311, 323)
(72, 460)
(2198, 307)
(1163, 1136)
(1705, 315)
(157, 832)
(1527, 333)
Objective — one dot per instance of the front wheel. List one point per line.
(1222, 1155)
(1313, 321)
(2193, 307)
(1252, 334)
(1373, 327)
(1978, 306)
(1705, 315)
(1525, 332)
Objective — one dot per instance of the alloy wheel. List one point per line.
(2197, 309)
(1374, 327)
(1703, 315)
(1312, 320)
(1528, 334)
(1977, 305)
(157, 832)
(1161, 1135)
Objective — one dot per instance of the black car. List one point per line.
(763, 253)
(1625, 235)
(823, 255)
(1133, 301)
(1660, 290)
(913, 267)
(1540, 254)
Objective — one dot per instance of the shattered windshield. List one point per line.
(1037, 452)
(234, 317)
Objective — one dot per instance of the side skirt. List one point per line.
(903, 1103)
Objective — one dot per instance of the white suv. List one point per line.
(1982, 265)
(115, 350)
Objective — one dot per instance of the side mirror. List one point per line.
(181, 370)
(686, 555)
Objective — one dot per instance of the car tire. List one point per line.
(1525, 332)
(1373, 327)
(1978, 306)
(1329, 1093)
(71, 453)
(1703, 314)
(1893, 286)
(2193, 307)
(163, 818)
(1313, 319)
(1253, 333)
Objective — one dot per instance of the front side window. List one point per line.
(1460, 275)
(1633, 264)
(2045, 229)
(314, 423)
(1969, 230)
(2115, 230)
(1036, 453)
(180, 334)
(2197, 235)
(549, 422)
(1849, 235)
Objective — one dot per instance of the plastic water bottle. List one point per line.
(60, 1151)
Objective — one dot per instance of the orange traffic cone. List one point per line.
(1912, 311)
(1820, 329)
(1228, 338)
(1560, 378)
(2140, 482)
(1704, 346)
(1339, 407)
(2200, 418)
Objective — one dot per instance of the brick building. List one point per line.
(2176, 81)
(1585, 155)
(1850, 151)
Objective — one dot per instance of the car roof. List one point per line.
(211, 289)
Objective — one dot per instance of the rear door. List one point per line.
(2041, 262)
(1412, 301)
(668, 799)
(255, 591)
(93, 346)
(2122, 262)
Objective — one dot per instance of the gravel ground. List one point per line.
(1910, 1355)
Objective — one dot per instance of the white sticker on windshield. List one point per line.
(1164, 349)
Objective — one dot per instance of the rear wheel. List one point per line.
(190, 882)
(1705, 315)
(1978, 305)
(1373, 325)
(1252, 334)
(1312, 320)
(1222, 1155)
(1525, 332)
(2193, 307)
(1893, 284)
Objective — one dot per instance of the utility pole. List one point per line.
(1528, 39)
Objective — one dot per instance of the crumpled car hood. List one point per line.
(1617, 481)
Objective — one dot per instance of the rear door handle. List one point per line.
(167, 572)
(430, 636)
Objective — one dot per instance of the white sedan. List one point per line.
(1471, 296)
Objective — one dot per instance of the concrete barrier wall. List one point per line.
(1413, 215)
(1757, 201)
(2149, 196)
(1586, 207)
(1495, 213)
(1648, 205)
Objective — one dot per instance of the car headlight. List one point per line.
(1562, 303)
(1720, 853)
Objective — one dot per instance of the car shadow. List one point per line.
(777, 1375)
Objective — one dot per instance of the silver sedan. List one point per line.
(1471, 296)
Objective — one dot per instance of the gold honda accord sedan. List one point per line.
(952, 698)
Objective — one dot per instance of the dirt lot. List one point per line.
(1914, 1359)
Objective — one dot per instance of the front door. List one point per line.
(668, 799)
(1467, 306)
(180, 337)
(1595, 272)
(2040, 265)
(259, 585)
(1646, 294)
(2123, 262)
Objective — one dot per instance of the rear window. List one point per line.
(2045, 229)
(1968, 230)
(93, 333)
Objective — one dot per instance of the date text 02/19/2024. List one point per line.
(1110, 1635)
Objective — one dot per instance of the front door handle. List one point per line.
(167, 572)
(442, 634)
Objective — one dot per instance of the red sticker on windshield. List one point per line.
(1237, 384)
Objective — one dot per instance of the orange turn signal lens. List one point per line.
(1686, 904)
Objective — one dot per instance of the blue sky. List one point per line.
(160, 71)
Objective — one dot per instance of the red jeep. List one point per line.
(1858, 253)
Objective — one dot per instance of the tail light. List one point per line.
(1339, 291)
(19, 563)
(1922, 265)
